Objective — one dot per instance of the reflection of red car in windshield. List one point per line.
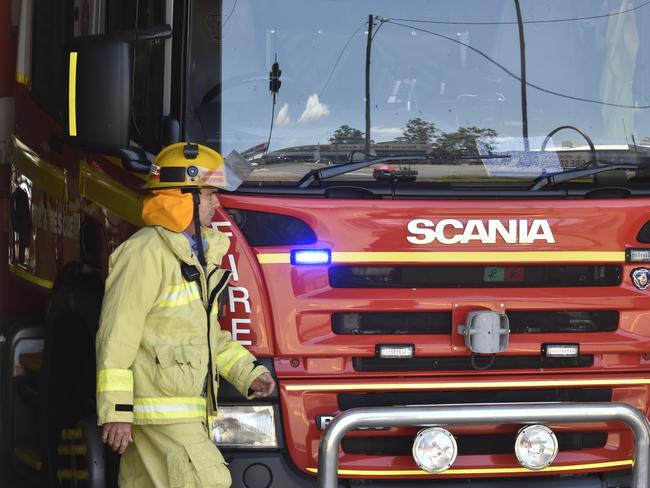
(388, 172)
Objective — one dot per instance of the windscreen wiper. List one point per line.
(562, 176)
(341, 169)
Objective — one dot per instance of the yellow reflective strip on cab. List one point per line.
(114, 380)
(72, 95)
(110, 194)
(227, 359)
(481, 257)
(43, 174)
(460, 257)
(460, 385)
(274, 258)
(23, 79)
(452, 471)
(20, 273)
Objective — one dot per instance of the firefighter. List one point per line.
(160, 350)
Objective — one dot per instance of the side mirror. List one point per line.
(171, 131)
(99, 92)
(99, 99)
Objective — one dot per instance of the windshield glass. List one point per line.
(448, 79)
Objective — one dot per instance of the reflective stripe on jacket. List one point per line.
(153, 345)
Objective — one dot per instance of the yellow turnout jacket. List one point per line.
(160, 349)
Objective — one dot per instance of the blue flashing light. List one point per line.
(311, 256)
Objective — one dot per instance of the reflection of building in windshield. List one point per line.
(339, 153)
(454, 64)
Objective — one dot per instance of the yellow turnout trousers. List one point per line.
(173, 456)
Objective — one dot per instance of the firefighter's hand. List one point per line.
(263, 385)
(117, 435)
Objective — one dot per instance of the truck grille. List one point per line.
(474, 276)
(468, 444)
(539, 322)
(369, 323)
(465, 363)
(387, 399)
(521, 322)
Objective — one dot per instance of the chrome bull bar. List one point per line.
(502, 413)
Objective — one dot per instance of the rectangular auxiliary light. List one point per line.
(637, 255)
(395, 351)
(561, 350)
(311, 256)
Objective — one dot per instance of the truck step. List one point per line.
(31, 361)
(71, 449)
(69, 474)
(71, 434)
(29, 456)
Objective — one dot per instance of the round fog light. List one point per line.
(434, 449)
(536, 447)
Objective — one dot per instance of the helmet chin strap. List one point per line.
(197, 229)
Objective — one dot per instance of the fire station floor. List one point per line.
(8, 479)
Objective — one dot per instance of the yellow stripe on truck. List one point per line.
(460, 385)
(43, 174)
(21, 273)
(72, 95)
(461, 257)
(23, 79)
(412, 472)
(110, 194)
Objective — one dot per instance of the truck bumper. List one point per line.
(621, 479)
(250, 469)
(275, 470)
(519, 413)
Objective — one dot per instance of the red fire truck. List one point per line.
(486, 323)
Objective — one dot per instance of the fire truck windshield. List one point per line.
(474, 90)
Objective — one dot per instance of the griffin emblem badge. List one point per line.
(641, 278)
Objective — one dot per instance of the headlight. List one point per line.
(244, 426)
(536, 447)
(434, 449)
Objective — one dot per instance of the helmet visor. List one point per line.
(237, 170)
(228, 176)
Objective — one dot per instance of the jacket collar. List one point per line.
(217, 242)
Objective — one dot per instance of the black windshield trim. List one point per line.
(398, 192)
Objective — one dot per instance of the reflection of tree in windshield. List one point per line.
(347, 135)
(463, 141)
(442, 77)
(418, 130)
(419, 138)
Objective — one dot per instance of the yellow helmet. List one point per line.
(187, 165)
